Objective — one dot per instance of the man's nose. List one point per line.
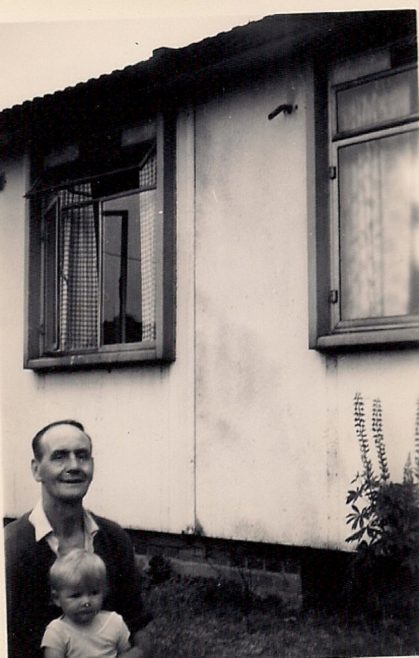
(72, 462)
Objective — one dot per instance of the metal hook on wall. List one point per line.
(286, 108)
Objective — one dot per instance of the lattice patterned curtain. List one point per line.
(79, 272)
(148, 177)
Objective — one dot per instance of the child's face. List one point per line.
(80, 603)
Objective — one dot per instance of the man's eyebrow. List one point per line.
(59, 451)
(66, 451)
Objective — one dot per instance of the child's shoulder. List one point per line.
(107, 614)
(105, 617)
(57, 622)
(56, 631)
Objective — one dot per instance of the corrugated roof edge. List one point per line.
(130, 68)
(211, 50)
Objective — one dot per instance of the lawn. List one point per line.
(200, 618)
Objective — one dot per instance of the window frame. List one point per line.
(327, 332)
(160, 350)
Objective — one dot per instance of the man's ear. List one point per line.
(35, 470)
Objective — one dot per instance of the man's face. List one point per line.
(66, 467)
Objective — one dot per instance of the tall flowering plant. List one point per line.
(384, 516)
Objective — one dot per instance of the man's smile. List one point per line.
(72, 480)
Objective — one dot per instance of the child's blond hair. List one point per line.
(78, 567)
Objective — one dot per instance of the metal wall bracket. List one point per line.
(286, 108)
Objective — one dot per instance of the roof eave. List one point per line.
(210, 66)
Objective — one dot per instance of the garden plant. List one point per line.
(384, 520)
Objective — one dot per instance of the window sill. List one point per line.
(368, 339)
(105, 359)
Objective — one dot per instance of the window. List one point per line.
(368, 256)
(101, 275)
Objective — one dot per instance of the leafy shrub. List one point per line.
(384, 519)
(159, 569)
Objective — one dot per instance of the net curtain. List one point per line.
(377, 227)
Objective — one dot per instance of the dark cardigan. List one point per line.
(29, 607)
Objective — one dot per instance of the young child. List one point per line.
(78, 586)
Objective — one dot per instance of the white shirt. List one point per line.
(106, 635)
(43, 528)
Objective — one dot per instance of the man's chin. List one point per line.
(72, 492)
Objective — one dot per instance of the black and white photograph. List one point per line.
(209, 393)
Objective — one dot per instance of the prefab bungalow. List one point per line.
(204, 257)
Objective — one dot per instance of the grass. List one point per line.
(203, 618)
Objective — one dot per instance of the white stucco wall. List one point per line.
(248, 429)
(276, 449)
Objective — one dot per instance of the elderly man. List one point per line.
(63, 465)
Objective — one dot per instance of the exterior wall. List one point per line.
(140, 418)
(248, 435)
(276, 449)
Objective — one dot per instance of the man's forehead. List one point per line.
(65, 437)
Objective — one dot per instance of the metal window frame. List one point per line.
(162, 349)
(338, 324)
(326, 331)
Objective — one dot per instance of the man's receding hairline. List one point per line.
(37, 446)
(53, 427)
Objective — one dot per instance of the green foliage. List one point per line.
(384, 516)
(159, 569)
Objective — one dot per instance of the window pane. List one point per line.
(121, 271)
(111, 277)
(148, 275)
(379, 227)
(128, 268)
(377, 101)
(73, 226)
(51, 273)
(148, 177)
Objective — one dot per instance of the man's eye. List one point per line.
(58, 455)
